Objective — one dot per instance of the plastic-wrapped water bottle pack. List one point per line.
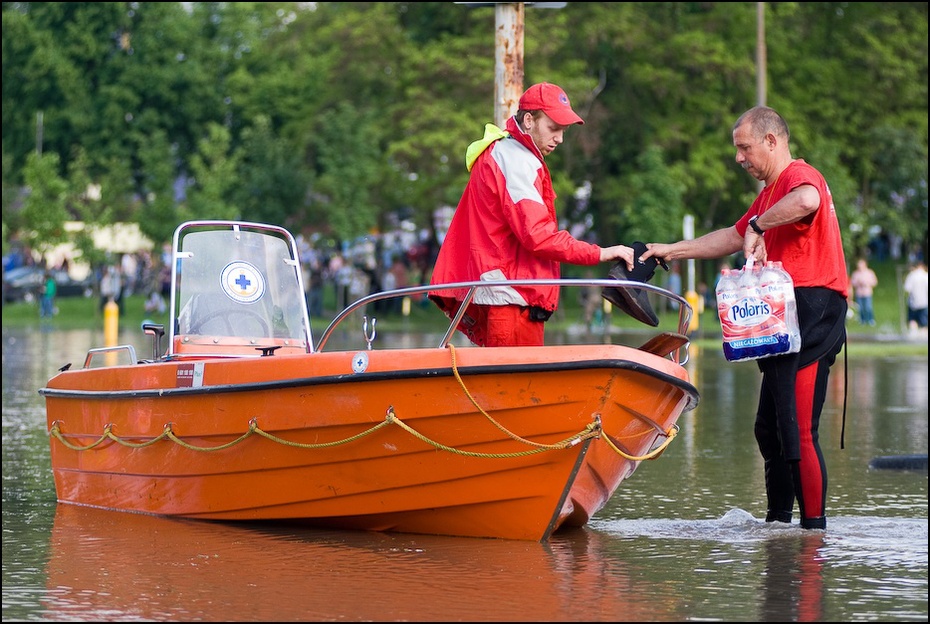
(758, 312)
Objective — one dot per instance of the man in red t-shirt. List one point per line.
(793, 221)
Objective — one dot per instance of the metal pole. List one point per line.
(687, 227)
(760, 65)
(761, 68)
(39, 132)
(508, 68)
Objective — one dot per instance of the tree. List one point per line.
(344, 193)
(44, 210)
(214, 168)
(338, 116)
(899, 190)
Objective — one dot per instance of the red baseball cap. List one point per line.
(551, 100)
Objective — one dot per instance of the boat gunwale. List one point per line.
(374, 377)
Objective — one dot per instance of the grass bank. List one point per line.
(85, 313)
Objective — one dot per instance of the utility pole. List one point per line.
(760, 54)
(761, 64)
(508, 53)
(508, 59)
(40, 129)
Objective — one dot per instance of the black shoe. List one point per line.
(820, 522)
(634, 301)
(778, 516)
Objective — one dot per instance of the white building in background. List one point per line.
(117, 238)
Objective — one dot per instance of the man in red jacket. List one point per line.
(505, 227)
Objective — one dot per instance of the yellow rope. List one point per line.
(591, 430)
(670, 435)
(455, 371)
(170, 435)
(166, 434)
(253, 424)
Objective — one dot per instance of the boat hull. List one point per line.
(506, 443)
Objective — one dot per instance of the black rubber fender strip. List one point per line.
(899, 462)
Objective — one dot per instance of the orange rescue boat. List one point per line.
(245, 417)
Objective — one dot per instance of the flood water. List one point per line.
(683, 539)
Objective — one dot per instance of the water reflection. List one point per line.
(104, 565)
(793, 580)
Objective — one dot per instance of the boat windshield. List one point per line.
(238, 286)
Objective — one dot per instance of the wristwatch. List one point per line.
(755, 226)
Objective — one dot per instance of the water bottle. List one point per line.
(775, 286)
(727, 291)
(760, 336)
(749, 276)
(791, 308)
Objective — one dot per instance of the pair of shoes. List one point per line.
(634, 301)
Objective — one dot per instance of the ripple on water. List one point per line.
(904, 540)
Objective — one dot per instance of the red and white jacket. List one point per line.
(505, 226)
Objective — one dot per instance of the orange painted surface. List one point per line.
(444, 462)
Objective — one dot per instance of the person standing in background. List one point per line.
(862, 281)
(398, 277)
(111, 287)
(49, 290)
(915, 285)
(793, 221)
(129, 266)
(673, 284)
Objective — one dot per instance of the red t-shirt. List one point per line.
(811, 250)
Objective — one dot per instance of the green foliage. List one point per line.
(43, 213)
(214, 168)
(349, 171)
(900, 203)
(157, 196)
(335, 117)
(650, 207)
(270, 182)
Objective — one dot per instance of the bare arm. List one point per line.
(796, 205)
(716, 244)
